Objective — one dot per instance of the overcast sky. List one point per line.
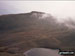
(59, 9)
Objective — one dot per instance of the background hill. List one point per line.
(21, 32)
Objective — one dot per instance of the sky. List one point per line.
(60, 9)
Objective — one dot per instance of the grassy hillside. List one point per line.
(21, 32)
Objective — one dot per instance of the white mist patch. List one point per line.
(40, 15)
(69, 22)
(44, 16)
(70, 26)
(61, 20)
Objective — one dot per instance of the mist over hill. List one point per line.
(21, 32)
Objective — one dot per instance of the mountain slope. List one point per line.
(21, 32)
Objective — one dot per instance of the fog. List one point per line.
(59, 9)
